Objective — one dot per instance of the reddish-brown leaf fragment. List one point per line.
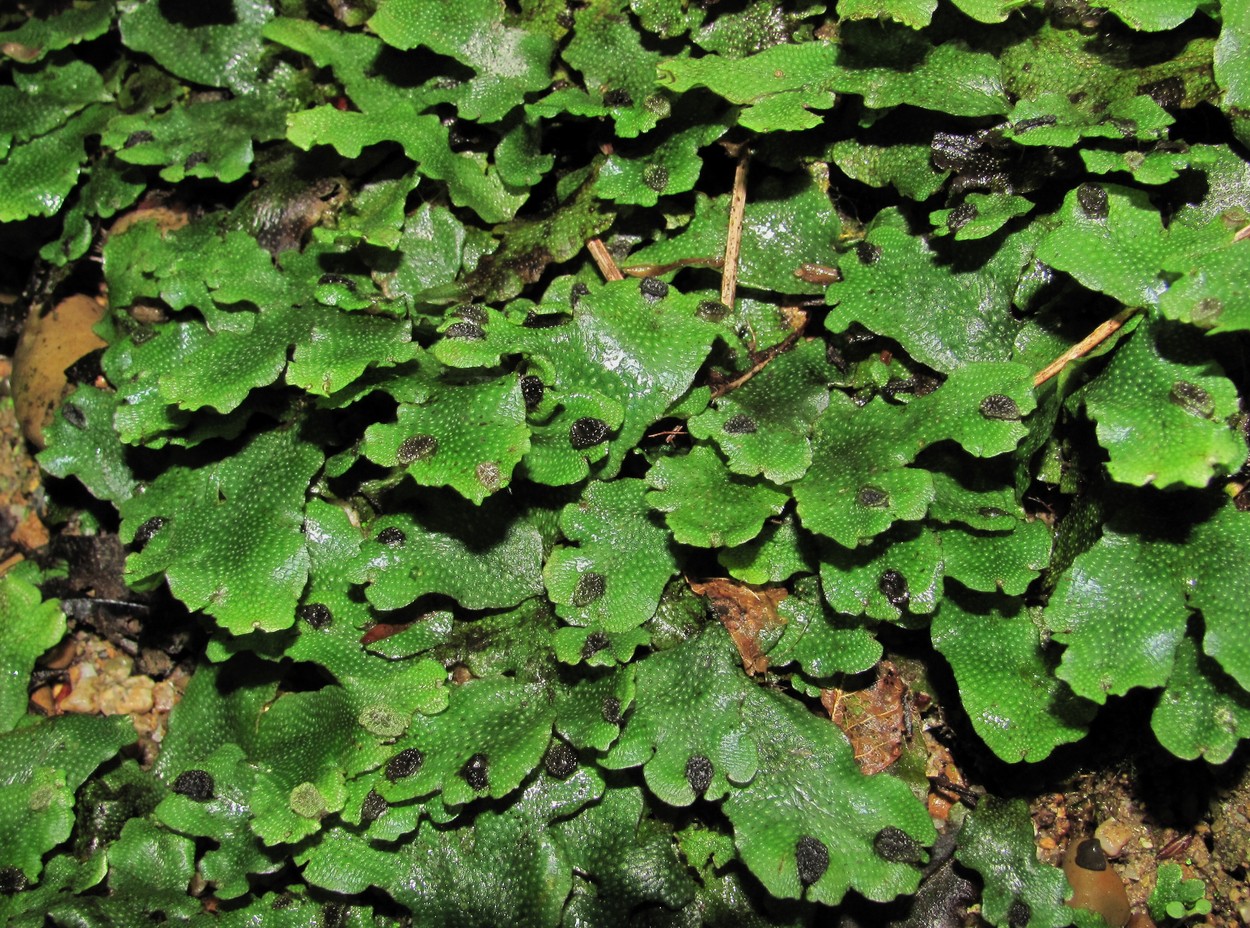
(747, 611)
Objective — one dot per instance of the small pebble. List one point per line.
(1113, 836)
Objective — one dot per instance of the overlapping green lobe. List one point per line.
(614, 577)
(29, 625)
(237, 554)
(1006, 679)
(1184, 439)
(997, 841)
(448, 546)
(43, 766)
(860, 484)
(944, 317)
(508, 61)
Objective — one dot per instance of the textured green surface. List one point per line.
(504, 723)
(1006, 680)
(680, 714)
(29, 625)
(508, 61)
(1184, 439)
(82, 443)
(707, 507)
(1119, 615)
(779, 405)
(440, 445)
(619, 541)
(426, 499)
(859, 483)
(1202, 713)
(943, 319)
(239, 555)
(996, 840)
(43, 766)
(808, 785)
(451, 548)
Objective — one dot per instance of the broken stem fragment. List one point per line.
(607, 267)
(733, 240)
(760, 360)
(1085, 345)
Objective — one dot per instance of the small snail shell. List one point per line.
(1095, 886)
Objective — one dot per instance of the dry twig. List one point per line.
(607, 267)
(1085, 345)
(733, 241)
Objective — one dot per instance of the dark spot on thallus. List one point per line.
(532, 391)
(739, 425)
(893, 587)
(475, 772)
(337, 279)
(12, 880)
(612, 710)
(317, 615)
(712, 310)
(391, 536)
(576, 292)
(655, 176)
(1036, 122)
(835, 358)
(196, 785)
(1093, 200)
(1168, 93)
(1193, 399)
(812, 858)
(1090, 856)
(867, 252)
(404, 764)
(149, 528)
(560, 760)
(1206, 312)
(699, 773)
(960, 216)
(373, 807)
(416, 448)
(872, 497)
(653, 288)
(138, 138)
(896, 846)
(469, 331)
(1018, 914)
(472, 313)
(535, 320)
(194, 159)
(74, 416)
(618, 97)
(595, 642)
(488, 475)
(590, 586)
(997, 406)
(587, 432)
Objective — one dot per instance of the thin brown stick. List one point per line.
(1242, 234)
(733, 241)
(607, 267)
(1085, 345)
(655, 270)
(762, 360)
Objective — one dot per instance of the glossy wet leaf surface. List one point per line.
(513, 592)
